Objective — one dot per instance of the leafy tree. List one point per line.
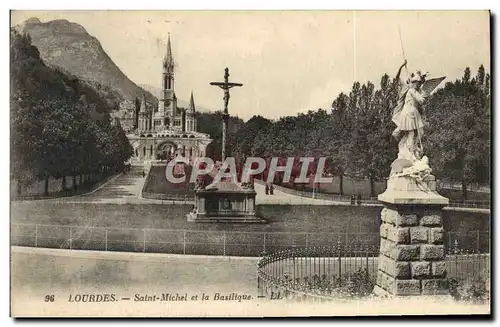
(60, 125)
(458, 137)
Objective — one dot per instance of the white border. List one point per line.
(185, 4)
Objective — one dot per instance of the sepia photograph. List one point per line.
(250, 163)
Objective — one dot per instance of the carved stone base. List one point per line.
(225, 202)
(405, 190)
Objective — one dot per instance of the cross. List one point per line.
(225, 117)
(226, 85)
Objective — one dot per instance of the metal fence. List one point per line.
(207, 242)
(467, 265)
(345, 271)
(318, 272)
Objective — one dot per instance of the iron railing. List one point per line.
(177, 241)
(346, 271)
(207, 242)
(318, 272)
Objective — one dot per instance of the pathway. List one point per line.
(280, 197)
(121, 189)
(126, 189)
(37, 273)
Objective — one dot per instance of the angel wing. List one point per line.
(430, 84)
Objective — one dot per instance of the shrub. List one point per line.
(473, 291)
(352, 285)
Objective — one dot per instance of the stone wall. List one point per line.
(37, 187)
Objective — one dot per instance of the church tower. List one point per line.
(168, 100)
(144, 123)
(190, 116)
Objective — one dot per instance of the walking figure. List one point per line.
(271, 189)
(267, 189)
(143, 174)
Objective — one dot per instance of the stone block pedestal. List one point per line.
(225, 202)
(411, 260)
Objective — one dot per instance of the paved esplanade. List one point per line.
(126, 188)
(280, 197)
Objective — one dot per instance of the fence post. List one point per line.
(264, 242)
(340, 263)
(477, 240)
(184, 243)
(105, 239)
(224, 244)
(36, 235)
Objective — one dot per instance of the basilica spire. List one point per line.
(192, 108)
(168, 61)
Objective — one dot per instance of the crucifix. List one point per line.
(226, 86)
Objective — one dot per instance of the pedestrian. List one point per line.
(267, 189)
(271, 189)
(143, 174)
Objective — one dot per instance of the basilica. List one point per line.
(166, 132)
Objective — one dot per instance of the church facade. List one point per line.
(165, 132)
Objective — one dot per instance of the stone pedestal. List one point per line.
(225, 202)
(411, 260)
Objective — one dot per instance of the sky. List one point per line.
(288, 61)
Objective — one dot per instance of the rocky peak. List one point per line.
(64, 26)
(67, 45)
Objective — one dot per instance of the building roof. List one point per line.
(224, 186)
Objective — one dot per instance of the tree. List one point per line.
(458, 138)
(60, 125)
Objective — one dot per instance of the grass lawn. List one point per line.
(168, 230)
(281, 218)
(157, 185)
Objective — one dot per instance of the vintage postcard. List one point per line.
(250, 163)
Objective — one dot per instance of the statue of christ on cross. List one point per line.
(226, 85)
(225, 117)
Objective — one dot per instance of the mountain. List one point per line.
(68, 46)
(180, 103)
